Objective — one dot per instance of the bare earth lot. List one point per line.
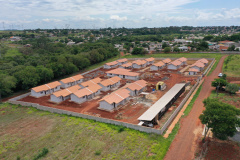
(136, 106)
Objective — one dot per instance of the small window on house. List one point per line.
(56, 88)
(83, 96)
(41, 92)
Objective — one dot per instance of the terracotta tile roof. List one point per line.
(227, 41)
(122, 60)
(117, 96)
(127, 64)
(67, 91)
(198, 64)
(121, 71)
(223, 48)
(176, 63)
(182, 59)
(150, 59)
(87, 91)
(72, 79)
(192, 70)
(110, 81)
(167, 60)
(139, 62)
(137, 85)
(46, 87)
(203, 60)
(112, 63)
(159, 64)
(91, 82)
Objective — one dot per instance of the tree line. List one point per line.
(45, 61)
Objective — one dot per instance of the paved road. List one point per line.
(184, 144)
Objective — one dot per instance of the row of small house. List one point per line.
(198, 66)
(121, 96)
(122, 63)
(173, 65)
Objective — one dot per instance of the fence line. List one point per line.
(104, 120)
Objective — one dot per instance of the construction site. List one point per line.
(138, 91)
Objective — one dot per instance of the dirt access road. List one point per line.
(184, 145)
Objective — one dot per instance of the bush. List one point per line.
(97, 153)
(41, 154)
(120, 129)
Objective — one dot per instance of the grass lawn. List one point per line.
(24, 132)
(12, 52)
(231, 66)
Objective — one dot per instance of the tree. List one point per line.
(137, 50)
(232, 48)
(219, 82)
(28, 77)
(220, 118)
(7, 83)
(167, 50)
(176, 49)
(45, 74)
(202, 46)
(164, 45)
(232, 88)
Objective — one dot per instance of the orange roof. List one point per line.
(121, 71)
(183, 59)
(176, 63)
(159, 64)
(203, 60)
(137, 85)
(87, 91)
(127, 64)
(167, 60)
(192, 70)
(110, 81)
(67, 91)
(46, 87)
(223, 47)
(117, 96)
(72, 79)
(198, 64)
(227, 41)
(91, 82)
(112, 63)
(139, 62)
(150, 59)
(122, 60)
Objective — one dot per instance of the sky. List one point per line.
(94, 14)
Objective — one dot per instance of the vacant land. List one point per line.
(25, 131)
(231, 66)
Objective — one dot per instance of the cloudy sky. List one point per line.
(32, 14)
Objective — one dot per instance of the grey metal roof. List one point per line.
(152, 112)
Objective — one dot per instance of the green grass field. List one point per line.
(12, 52)
(231, 66)
(24, 132)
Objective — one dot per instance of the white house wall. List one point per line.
(76, 99)
(170, 66)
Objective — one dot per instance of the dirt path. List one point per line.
(184, 144)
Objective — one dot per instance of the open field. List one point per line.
(231, 66)
(25, 131)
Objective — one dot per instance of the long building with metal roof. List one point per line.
(165, 102)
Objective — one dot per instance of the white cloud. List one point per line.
(116, 17)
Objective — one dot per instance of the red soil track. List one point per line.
(184, 145)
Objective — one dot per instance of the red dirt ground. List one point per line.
(217, 149)
(184, 145)
(131, 110)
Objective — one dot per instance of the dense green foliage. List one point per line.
(140, 51)
(27, 67)
(41, 154)
(221, 118)
(232, 88)
(219, 82)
